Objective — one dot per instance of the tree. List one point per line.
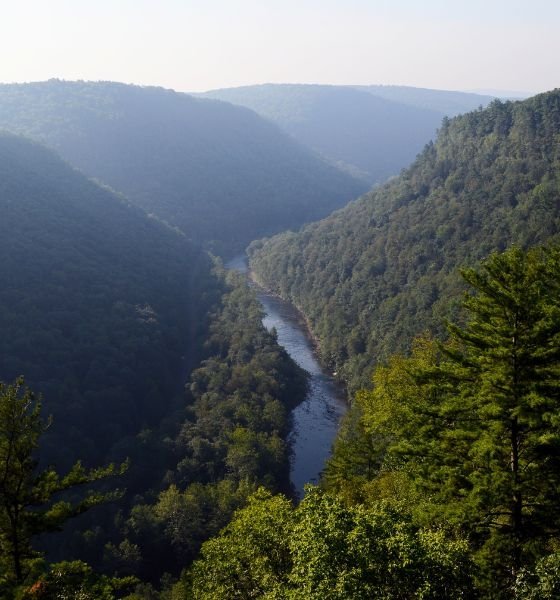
(405, 417)
(323, 549)
(476, 424)
(77, 580)
(372, 551)
(542, 582)
(29, 497)
(251, 557)
(507, 368)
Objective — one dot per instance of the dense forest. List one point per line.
(206, 459)
(106, 312)
(371, 131)
(448, 486)
(145, 409)
(220, 173)
(100, 305)
(447, 489)
(385, 268)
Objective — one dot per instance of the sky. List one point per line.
(196, 45)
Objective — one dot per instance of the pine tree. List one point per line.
(507, 370)
(475, 426)
(30, 501)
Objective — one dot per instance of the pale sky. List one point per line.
(195, 45)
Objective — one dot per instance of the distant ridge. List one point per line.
(371, 131)
(504, 94)
(449, 103)
(220, 173)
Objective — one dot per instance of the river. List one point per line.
(316, 419)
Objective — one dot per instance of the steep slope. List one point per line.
(99, 304)
(220, 173)
(373, 131)
(376, 273)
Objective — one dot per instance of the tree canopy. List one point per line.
(324, 549)
(386, 268)
(467, 432)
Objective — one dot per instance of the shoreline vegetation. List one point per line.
(303, 321)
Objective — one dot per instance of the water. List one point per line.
(316, 419)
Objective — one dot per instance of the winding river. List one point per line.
(316, 419)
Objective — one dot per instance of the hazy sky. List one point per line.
(194, 45)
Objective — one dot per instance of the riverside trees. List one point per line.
(458, 444)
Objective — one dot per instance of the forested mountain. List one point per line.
(100, 305)
(108, 313)
(232, 438)
(385, 268)
(372, 131)
(220, 173)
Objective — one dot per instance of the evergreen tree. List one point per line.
(28, 503)
(475, 426)
(508, 373)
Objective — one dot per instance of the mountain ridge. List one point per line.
(187, 160)
(371, 131)
(383, 269)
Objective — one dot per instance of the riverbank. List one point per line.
(316, 420)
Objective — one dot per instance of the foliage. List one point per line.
(542, 582)
(238, 416)
(76, 581)
(372, 276)
(103, 309)
(100, 306)
(381, 419)
(323, 549)
(233, 439)
(251, 557)
(507, 376)
(220, 173)
(468, 432)
(240, 398)
(30, 498)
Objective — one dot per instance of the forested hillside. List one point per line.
(230, 439)
(385, 268)
(372, 131)
(106, 312)
(100, 305)
(444, 482)
(220, 173)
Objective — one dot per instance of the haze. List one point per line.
(198, 45)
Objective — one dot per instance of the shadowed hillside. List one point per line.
(99, 304)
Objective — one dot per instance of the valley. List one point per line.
(415, 386)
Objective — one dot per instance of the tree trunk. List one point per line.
(517, 500)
